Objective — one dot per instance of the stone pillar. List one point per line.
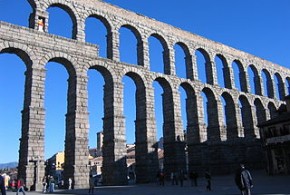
(114, 168)
(80, 30)
(213, 114)
(240, 127)
(210, 76)
(221, 126)
(270, 87)
(244, 81)
(248, 121)
(76, 137)
(146, 56)
(174, 145)
(258, 87)
(31, 152)
(214, 73)
(169, 61)
(189, 67)
(194, 67)
(193, 131)
(146, 152)
(233, 120)
(281, 90)
(256, 132)
(228, 78)
(113, 45)
(140, 52)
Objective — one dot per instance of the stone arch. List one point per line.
(171, 138)
(143, 134)
(207, 66)
(241, 81)
(213, 131)
(260, 111)
(191, 113)
(280, 88)
(139, 42)
(140, 100)
(25, 151)
(70, 11)
(187, 61)
(256, 80)
(114, 165)
(72, 133)
(272, 110)
(62, 58)
(268, 84)
(168, 111)
(25, 56)
(165, 54)
(34, 5)
(230, 114)
(287, 81)
(226, 77)
(108, 26)
(246, 116)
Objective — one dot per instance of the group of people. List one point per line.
(20, 186)
(48, 184)
(243, 179)
(178, 177)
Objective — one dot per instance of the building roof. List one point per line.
(284, 117)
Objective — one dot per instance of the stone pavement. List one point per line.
(221, 185)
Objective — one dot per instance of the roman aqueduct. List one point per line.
(213, 144)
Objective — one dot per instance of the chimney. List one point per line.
(287, 100)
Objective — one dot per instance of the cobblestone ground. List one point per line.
(221, 185)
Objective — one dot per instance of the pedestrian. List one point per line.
(208, 180)
(69, 183)
(20, 186)
(47, 183)
(173, 177)
(161, 178)
(193, 178)
(181, 177)
(44, 184)
(51, 184)
(244, 180)
(91, 184)
(2, 186)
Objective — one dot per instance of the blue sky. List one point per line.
(260, 27)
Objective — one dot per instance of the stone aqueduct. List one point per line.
(214, 145)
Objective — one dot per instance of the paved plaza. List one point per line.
(221, 185)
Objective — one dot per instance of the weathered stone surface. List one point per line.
(216, 145)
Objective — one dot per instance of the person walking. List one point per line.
(244, 180)
(161, 178)
(20, 186)
(44, 184)
(193, 178)
(181, 177)
(91, 184)
(208, 179)
(69, 183)
(2, 185)
(51, 184)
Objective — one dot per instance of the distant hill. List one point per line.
(8, 165)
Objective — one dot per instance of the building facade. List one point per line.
(275, 135)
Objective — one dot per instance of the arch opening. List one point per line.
(61, 22)
(96, 32)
